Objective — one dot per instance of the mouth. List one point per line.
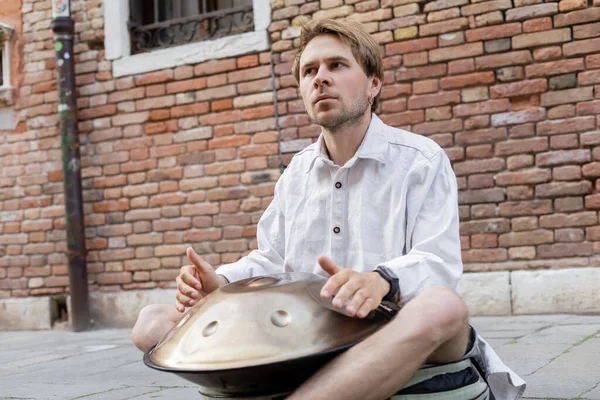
(323, 98)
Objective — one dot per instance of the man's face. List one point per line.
(334, 87)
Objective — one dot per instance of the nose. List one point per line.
(322, 78)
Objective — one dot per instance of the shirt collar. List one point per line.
(373, 146)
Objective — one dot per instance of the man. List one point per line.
(380, 206)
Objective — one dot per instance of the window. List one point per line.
(151, 35)
(158, 24)
(5, 84)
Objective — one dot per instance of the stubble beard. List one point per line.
(337, 122)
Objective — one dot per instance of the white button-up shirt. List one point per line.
(393, 204)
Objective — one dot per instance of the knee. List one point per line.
(442, 312)
(141, 335)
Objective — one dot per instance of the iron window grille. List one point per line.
(159, 24)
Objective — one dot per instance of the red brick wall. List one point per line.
(189, 156)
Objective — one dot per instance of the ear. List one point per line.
(375, 86)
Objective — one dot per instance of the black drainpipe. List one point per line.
(63, 28)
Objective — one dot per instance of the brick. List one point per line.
(537, 25)
(487, 6)
(497, 45)
(484, 255)
(215, 67)
(495, 195)
(493, 32)
(591, 170)
(563, 157)
(567, 96)
(522, 253)
(474, 94)
(478, 166)
(533, 145)
(486, 107)
(524, 177)
(443, 4)
(554, 68)
(481, 136)
(455, 52)
(577, 17)
(485, 240)
(429, 128)
(404, 118)
(527, 238)
(586, 31)
(592, 201)
(495, 225)
(408, 9)
(451, 39)
(589, 108)
(438, 99)
(529, 12)
(570, 5)
(568, 204)
(519, 88)
(421, 87)
(476, 122)
(428, 71)
(592, 61)
(461, 81)
(525, 208)
(519, 117)
(401, 22)
(502, 60)
(481, 151)
(406, 33)
(437, 28)
(547, 53)
(560, 250)
(411, 46)
(189, 110)
(491, 18)
(563, 82)
(509, 74)
(541, 38)
(154, 77)
(461, 66)
(559, 189)
(589, 77)
(566, 173)
(566, 125)
(337, 12)
(590, 138)
(442, 15)
(577, 47)
(569, 235)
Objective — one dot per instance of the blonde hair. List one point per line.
(364, 48)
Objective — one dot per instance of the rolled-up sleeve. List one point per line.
(433, 252)
(270, 233)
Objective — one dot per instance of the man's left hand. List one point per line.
(366, 288)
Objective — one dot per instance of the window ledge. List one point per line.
(6, 96)
(192, 53)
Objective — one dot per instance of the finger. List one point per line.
(334, 283)
(369, 305)
(184, 300)
(188, 276)
(186, 289)
(347, 290)
(357, 301)
(328, 265)
(208, 276)
(180, 307)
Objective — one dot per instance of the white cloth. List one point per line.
(393, 204)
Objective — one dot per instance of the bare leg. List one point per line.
(153, 323)
(431, 328)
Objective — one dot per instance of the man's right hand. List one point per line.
(196, 281)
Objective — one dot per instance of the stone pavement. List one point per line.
(558, 356)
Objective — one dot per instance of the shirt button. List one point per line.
(338, 185)
(336, 230)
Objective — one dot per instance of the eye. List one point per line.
(336, 64)
(308, 71)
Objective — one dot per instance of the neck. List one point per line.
(342, 141)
